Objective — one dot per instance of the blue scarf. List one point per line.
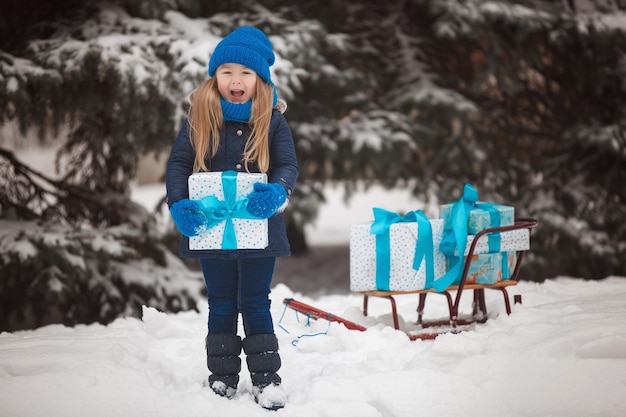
(240, 112)
(236, 112)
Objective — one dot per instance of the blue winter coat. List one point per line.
(283, 170)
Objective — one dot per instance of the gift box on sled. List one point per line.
(489, 268)
(512, 240)
(493, 251)
(483, 215)
(386, 261)
(223, 196)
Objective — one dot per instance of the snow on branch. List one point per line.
(29, 194)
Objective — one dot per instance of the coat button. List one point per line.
(238, 166)
(239, 132)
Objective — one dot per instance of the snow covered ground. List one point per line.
(562, 353)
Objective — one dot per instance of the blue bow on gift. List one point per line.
(218, 211)
(455, 237)
(383, 220)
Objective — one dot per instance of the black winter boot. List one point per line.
(263, 361)
(223, 361)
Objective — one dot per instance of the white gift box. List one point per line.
(249, 233)
(402, 276)
(513, 240)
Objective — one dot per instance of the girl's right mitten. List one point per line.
(188, 217)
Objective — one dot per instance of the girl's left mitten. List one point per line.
(188, 217)
(266, 199)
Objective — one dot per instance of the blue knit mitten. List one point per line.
(266, 199)
(188, 217)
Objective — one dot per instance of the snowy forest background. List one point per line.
(524, 99)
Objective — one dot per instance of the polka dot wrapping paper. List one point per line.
(402, 276)
(249, 233)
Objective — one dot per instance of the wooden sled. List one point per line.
(451, 324)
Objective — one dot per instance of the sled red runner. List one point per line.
(452, 324)
(311, 311)
(321, 314)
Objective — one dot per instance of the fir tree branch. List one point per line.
(31, 194)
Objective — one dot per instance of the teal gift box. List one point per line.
(223, 198)
(489, 268)
(482, 216)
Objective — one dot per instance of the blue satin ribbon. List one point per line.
(506, 271)
(218, 211)
(493, 239)
(424, 250)
(455, 237)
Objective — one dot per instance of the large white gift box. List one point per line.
(223, 196)
(402, 244)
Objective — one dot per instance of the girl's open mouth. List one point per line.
(236, 94)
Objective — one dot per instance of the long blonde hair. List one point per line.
(206, 120)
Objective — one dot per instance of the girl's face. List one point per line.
(236, 83)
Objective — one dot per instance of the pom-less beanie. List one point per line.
(247, 46)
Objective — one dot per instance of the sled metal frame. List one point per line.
(452, 324)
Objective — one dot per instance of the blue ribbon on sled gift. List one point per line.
(383, 220)
(493, 239)
(218, 211)
(506, 271)
(455, 237)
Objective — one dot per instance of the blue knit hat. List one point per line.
(247, 46)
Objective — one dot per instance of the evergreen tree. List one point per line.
(549, 133)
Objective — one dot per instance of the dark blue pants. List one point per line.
(239, 286)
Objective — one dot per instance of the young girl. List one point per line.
(233, 125)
